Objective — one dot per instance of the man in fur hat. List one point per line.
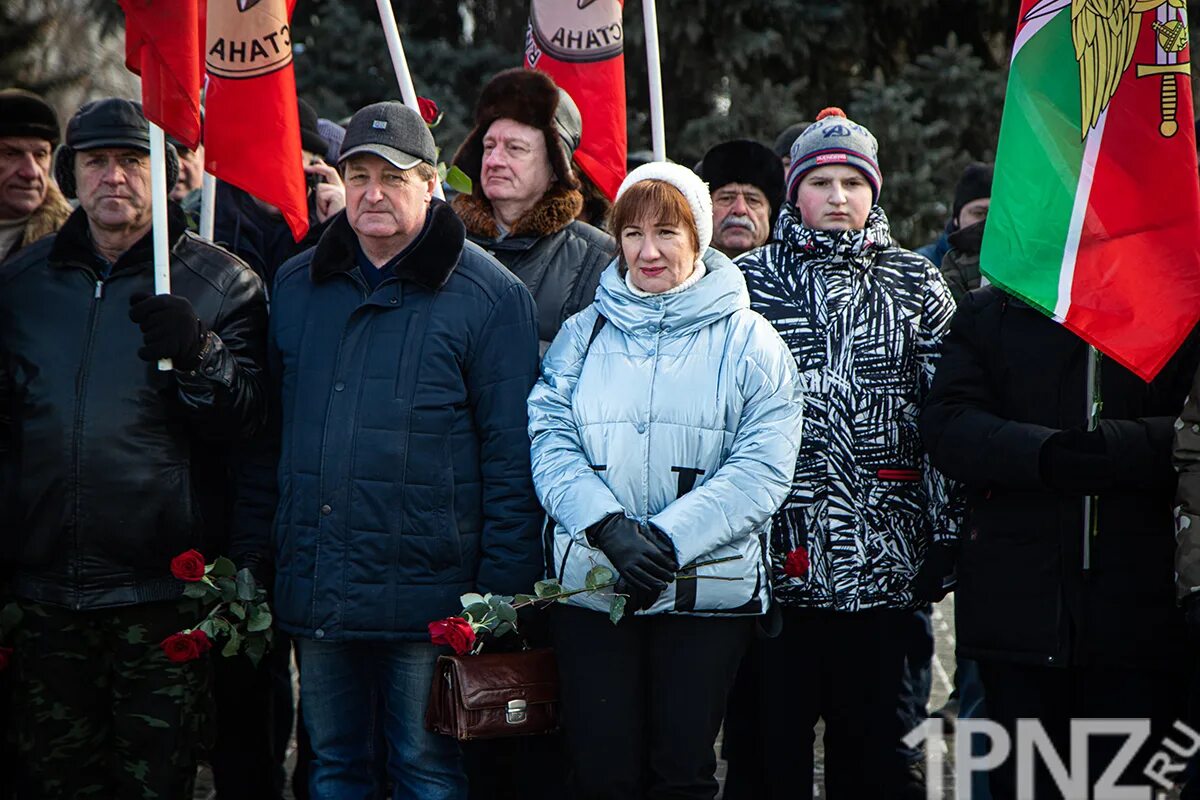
(526, 198)
(31, 206)
(746, 181)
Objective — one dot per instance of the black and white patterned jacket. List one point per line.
(864, 319)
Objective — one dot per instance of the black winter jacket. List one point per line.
(98, 488)
(1008, 379)
(558, 258)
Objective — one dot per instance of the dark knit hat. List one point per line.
(975, 183)
(783, 142)
(23, 113)
(834, 139)
(533, 99)
(744, 161)
(310, 138)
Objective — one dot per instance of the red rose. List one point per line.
(5, 657)
(429, 110)
(181, 647)
(453, 631)
(188, 566)
(796, 563)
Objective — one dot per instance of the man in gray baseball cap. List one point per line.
(405, 355)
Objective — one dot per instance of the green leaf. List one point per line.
(196, 591)
(222, 625)
(255, 649)
(231, 647)
(259, 621)
(458, 180)
(470, 599)
(238, 610)
(497, 600)
(523, 598)
(228, 589)
(617, 609)
(10, 617)
(477, 611)
(507, 613)
(209, 627)
(223, 568)
(153, 722)
(136, 634)
(502, 629)
(547, 589)
(246, 587)
(597, 577)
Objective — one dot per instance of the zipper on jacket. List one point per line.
(80, 405)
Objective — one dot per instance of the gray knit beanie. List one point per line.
(834, 139)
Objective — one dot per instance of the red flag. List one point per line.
(581, 46)
(162, 45)
(252, 124)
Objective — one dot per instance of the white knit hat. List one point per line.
(694, 190)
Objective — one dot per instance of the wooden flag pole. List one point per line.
(391, 32)
(158, 199)
(654, 71)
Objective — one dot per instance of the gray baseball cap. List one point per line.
(392, 131)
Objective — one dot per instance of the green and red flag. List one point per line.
(1095, 212)
(581, 46)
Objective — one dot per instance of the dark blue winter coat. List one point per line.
(403, 478)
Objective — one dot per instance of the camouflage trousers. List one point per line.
(98, 710)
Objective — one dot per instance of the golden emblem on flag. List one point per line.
(1105, 34)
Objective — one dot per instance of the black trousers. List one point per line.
(845, 668)
(1055, 696)
(643, 700)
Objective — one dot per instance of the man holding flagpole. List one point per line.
(97, 480)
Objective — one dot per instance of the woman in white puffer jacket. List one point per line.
(665, 428)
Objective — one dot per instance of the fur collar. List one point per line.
(427, 262)
(48, 218)
(556, 210)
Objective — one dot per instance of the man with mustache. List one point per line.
(746, 181)
(31, 206)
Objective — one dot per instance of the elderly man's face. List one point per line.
(741, 218)
(24, 175)
(516, 167)
(385, 203)
(113, 184)
(191, 172)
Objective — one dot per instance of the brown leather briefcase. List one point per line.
(494, 695)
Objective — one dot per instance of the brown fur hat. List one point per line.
(533, 99)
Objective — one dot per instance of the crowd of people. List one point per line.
(783, 432)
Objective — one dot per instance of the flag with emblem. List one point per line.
(252, 124)
(1095, 212)
(579, 43)
(163, 42)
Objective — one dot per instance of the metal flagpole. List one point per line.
(158, 199)
(208, 205)
(391, 32)
(654, 71)
(1091, 503)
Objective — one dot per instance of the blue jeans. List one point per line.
(346, 688)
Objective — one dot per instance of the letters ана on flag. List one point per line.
(252, 125)
(580, 44)
(163, 45)
(1095, 212)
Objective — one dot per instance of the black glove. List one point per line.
(170, 329)
(640, 562)
(929, 585)
(1075, 460)
(1191, 614)
(664, 544)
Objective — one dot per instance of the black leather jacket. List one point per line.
(98, 488)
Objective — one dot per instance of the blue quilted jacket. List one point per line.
(682, 412)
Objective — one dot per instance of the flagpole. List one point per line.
(654, 72)
(208, 205)
(158, 199)
(1091, 503)
(391, 32)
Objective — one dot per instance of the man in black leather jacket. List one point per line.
(525, 201)
(98, 485)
